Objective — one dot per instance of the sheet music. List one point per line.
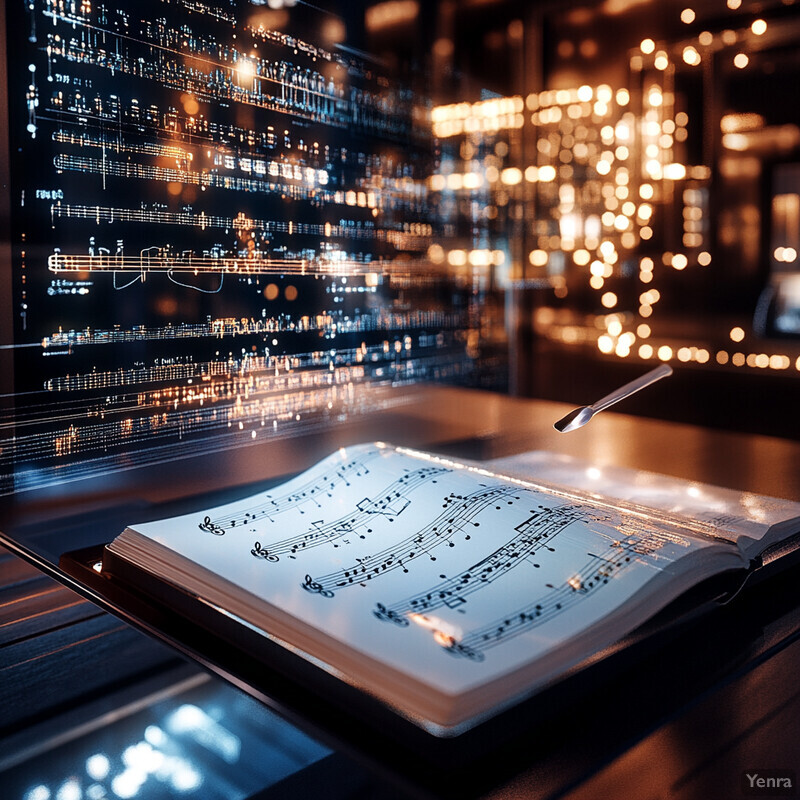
(430, 565)
(732, 512)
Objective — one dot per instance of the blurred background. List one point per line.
(628, 171)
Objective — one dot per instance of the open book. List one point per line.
(450, 590)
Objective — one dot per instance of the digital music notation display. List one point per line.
(220, 222)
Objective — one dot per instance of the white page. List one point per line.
(739, 513)
(439, 570)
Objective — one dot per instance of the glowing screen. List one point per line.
(220, 221)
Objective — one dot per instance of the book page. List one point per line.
(437, 569)
(731, 511)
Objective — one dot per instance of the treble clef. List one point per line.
(455, 648)
(211, 527)
(259, 551)
(390, 615)
(315, 587)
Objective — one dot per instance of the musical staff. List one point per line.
(224, 73)
(157, 260)
(269, 507)
(411, 236)
(227, 327)
(589, 579)
(389, 502)
(222, 237)
(537, 533)
(458, 517)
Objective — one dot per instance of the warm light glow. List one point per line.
(457, 258)
(246, 69)
(647, 46)
(736, 334)
(547, 174)
(623, 349)
(740, 60)
(605, 344)
(609, 300)
(390, 14)
(665, 352)
(734, 4)
(472, 180)
(705, 38)
(511, 176)
(480, 258)
(653, 168)
(581, 257)
(646, 351)
(538, 258)
(661, 61)
(704, 259)
(607, 248)
(738, 123)
(779, 362)
(675, 171)
(679, 261)
(643, 331)
(691, 56)
(759, 27)
(650, 297)
(435, 253)
(688, 16)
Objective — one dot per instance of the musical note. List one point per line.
(269, 507)
(459, 512)
(390, 502)
(589, 579)
(536, 533)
